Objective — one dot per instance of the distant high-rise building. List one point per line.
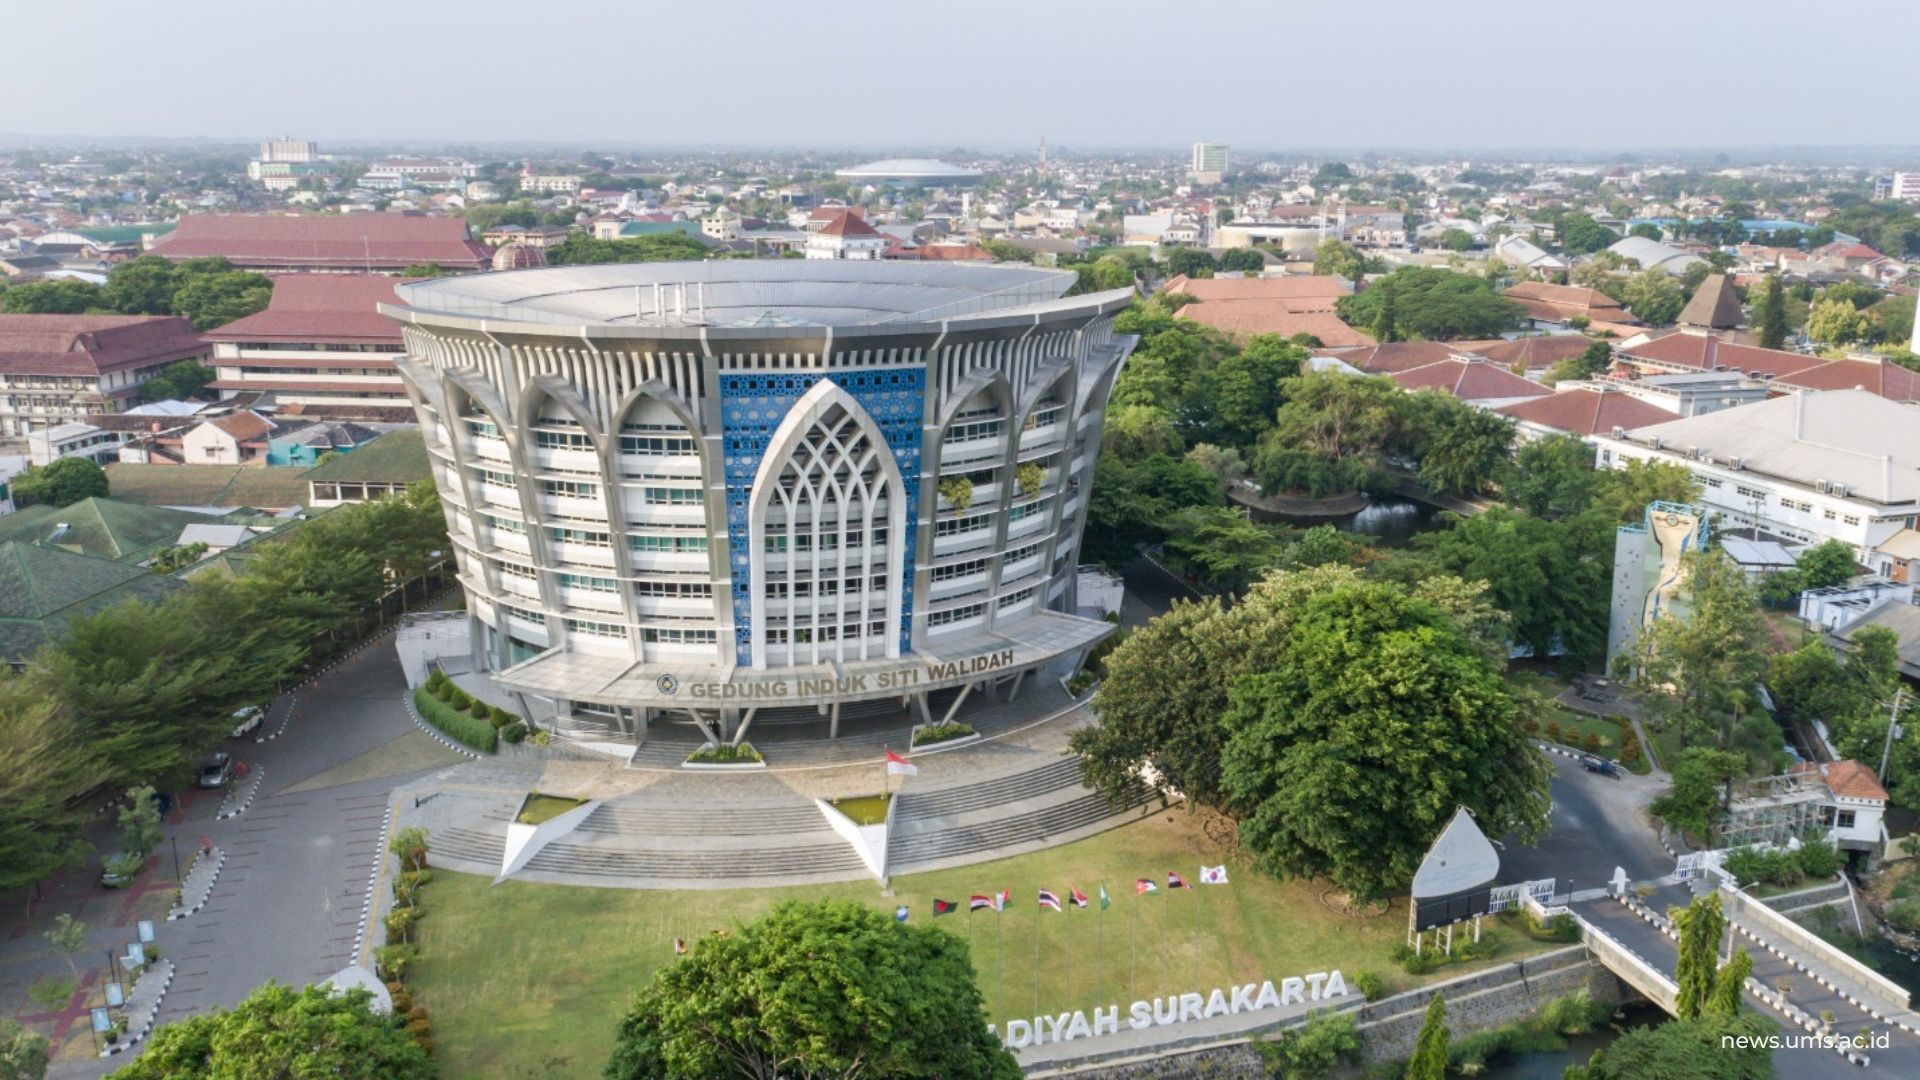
(1209, 162)
(290, 151)
(1906, 185)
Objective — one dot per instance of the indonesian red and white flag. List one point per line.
(899, 766)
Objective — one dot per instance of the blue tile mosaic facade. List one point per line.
(752, 405)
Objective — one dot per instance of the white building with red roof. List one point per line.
(1583, 411)
(326, 243)
(56, 369)
(1474, 381)
(844, 234)
(321, 342)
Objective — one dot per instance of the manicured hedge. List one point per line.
(455, 725)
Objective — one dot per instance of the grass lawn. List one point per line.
(526, 980)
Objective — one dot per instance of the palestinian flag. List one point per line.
(1048, 900)
(1105, 900)
(1175, 881)
(944, 907)
(1079, 898)
(1144, 886)
(977, 902)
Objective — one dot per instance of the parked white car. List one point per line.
(248, 720)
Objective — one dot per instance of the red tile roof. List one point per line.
(1708, 352)
(1538, 352)
(1880, 375)
(90, 345)
(1469, 380)
(243, 425)
(1393, 356)
(321, 308)
(325, 241)
(1572, 299)
(1300, 292)
(843, 222)
(1852, 780)
(1286, 306)
(1586, 412)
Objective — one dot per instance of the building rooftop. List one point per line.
(751, 294)
(320, 308)
(398, 457)
(1844, 437)
(1586, 411)
(371, 241)
(1714, 306)
(103, 528)
(42, 587)
(89, 345)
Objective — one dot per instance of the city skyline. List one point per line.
(1426, 80)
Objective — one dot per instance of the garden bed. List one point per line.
(538, 809)
(944, 734)
(461, 727)
(863, 809)
(724, 756)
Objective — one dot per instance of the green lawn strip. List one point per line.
(530, 980)
(539, 809)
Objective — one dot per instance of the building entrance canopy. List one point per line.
(607, 680)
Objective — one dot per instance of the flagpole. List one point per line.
(1196, 936)
(1133, 964)
(1038, 926)
(1070, 906)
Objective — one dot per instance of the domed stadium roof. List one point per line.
(908, 169)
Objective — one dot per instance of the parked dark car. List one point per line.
(1600, 765)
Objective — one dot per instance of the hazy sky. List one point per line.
(1274, 74)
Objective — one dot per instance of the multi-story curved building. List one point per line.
(727, 485)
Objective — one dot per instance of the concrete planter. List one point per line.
(916, 746)
(868, 841)
(722, 766)
(526, 841)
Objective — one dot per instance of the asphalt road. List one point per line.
(1597, 823)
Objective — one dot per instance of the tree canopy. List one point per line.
(62, 482)
(579, 248)
(814, 990)
(1375, 720)
(277, 1031)
(1553, 578)
(1429, 303)
(207, 292)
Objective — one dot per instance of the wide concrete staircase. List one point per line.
(1024, 809)
(669, 839)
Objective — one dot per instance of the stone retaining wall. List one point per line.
(1388, 1028)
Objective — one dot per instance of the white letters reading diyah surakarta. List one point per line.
(1176, 1009)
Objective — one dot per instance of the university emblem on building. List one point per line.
(667, 684)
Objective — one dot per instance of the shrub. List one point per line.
(402, 999)
(51, 993)
(1904, 915)
(455, 723)
(400, 922)
(409, 845)
(1078, 684)
(480, 710)
(1818, 859)
(542, 737)
(1553, 731)
(1591, 744)
(1531, 725)
(436, 680)
(1421, 963)
(725, 755)
(1774, 866)
(1370, 985)
(501, 717)
(514, 732)
(1630, 751)
(459, 699)
(419, 1029)
(939, 733)
(391, 962)
(1031, 478)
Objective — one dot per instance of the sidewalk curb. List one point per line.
(434, 732)
(219, 863)
(227, 808)
(369, 903)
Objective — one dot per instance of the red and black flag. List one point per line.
(977, 902)
(944, 907)
(1175, 881)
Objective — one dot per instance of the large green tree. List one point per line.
(45, 766)
(1698, 665)
(1551, 477)
(814, 990)
(23, 1052)
(1692, 802)
(1654, 297)
(1623, 492)
(279, 1032)
(1460, 448)
(580, 248)
(1434, 304)
(1773, 315)
(1377, 718)
(1581, 235)
(1223, 548)
(63, 482)
(1552, 577)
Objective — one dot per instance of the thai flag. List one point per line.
(1048, 900)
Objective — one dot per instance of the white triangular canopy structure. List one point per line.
(1460, 860)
